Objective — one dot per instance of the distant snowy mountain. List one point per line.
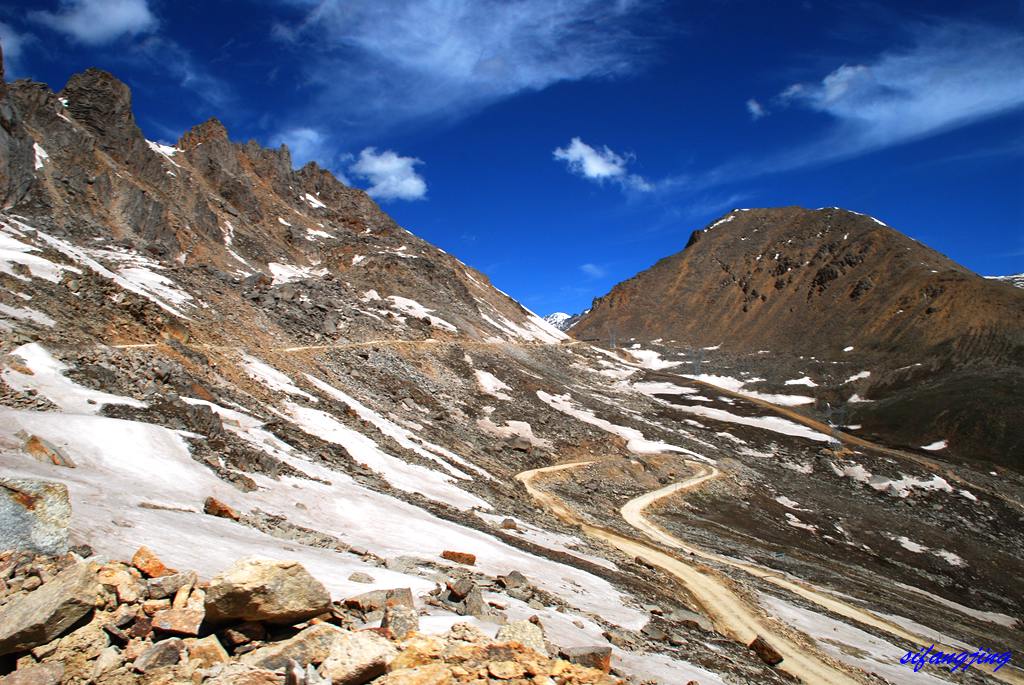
(563, 321)
(1016, 279)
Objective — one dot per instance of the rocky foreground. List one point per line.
(68, 620)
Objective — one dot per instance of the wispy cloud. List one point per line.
(392, 176)
(378, 65)
(756, 109)
(951, 76)
(600, 165)
(593, 270)
(167, 56)
(97, 22)
(14, 46)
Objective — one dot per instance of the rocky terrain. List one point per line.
(944, 346)
(260, 621)
(212, 355)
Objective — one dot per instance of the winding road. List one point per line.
(732, 615)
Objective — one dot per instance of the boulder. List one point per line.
(599, 657)
(34, 515)
(178, 621)
(166, 586)
(357, 658)
(400, 620)
(765, 651)
(376, 600)
(311, 646)
(240, 674)
(265, 590)
(42, 674)
(165, 653)
(431, 674)
(459, 557)
(47, 613)
(149, 563)
(214, 507)
(46, 452)
(206, 652)
(525, 633)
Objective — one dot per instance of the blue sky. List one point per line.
(561, 146)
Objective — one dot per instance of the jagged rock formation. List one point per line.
(835, 285)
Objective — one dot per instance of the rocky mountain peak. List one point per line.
(102, 103)
(210, 130)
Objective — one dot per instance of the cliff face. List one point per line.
(834, 284)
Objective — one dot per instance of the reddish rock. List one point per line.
(150, 565)
(179, 621)
(459, 557)
(43, 674)
(214, 507)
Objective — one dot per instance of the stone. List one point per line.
(146, 561)
(432, 674)
(514, 580)
(509, 524)
(505, 670)
(46, 452)
(244, 633)
(525, 633)
(765, 651)
(109, 659)
(357, 658)
(214, 507)
(38, 617)
(240, 674)
(266, 590)
(459, 589)
(41, 674)
(34, 515)
(206, 652)
(166, 586)
(400, 620)
(474, 604)
(459, 557)
(693, 620)
(164, 653)
(128, 587)
(599, 657)
(654, 632)
(179, 621)
(378, 599)
(360, 577)
(311, 646)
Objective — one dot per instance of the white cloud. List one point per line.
(14, 45)
(600, 165)
(756, 109)
(376, 65)
(304, 143)
(592, 270)
(951, 76)
(392, 176)
(95, 22)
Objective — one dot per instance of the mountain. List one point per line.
(945, 347)
(212, 355)
(563, 321)
(1015, 279)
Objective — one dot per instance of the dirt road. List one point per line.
(730, 613)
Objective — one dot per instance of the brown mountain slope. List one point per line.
(818, 282)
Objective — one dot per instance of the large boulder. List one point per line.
(265, 590)
(34, 515)
(311, 646)
(358, 658)
(47, 613)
